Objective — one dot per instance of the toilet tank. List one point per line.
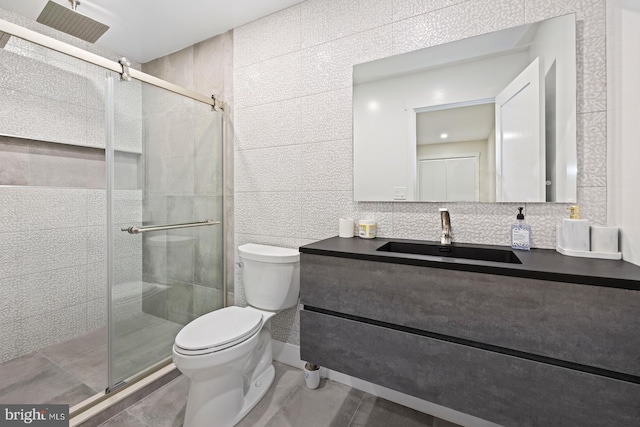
(271, 276)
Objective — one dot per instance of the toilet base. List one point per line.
(258, 389)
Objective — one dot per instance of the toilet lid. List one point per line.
(219, 329)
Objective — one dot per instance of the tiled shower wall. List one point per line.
(293, 132)
(53, 265)
(207, 68)
(182, 184)
(52, 198)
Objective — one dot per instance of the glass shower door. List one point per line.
(166, 183)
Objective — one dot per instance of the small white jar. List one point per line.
(367, 228)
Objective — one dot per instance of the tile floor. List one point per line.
(74, 370)
(289, 403)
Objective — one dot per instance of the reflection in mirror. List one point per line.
(491, 118)
(454, 151)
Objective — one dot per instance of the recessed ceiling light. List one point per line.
(444, 135)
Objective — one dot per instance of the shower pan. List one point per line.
(111, 219)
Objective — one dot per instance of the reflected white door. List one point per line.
(432, 180)
(462, 180)
(520, 138)
(448, 180)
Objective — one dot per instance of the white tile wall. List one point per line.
(267, 38)
(272, 80)
(592, 149)
(53, 240)
(459, 21)
(592, 75)
(49, 96)
(403, 9)
(53, 282)
(269, 169)
(293, 120)
(328, 66)
(269, 125)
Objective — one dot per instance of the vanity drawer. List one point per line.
(587, 325)
(500, 388)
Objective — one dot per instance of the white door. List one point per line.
(520, 138)
(432, 180)
(448, 180)
(462, 180)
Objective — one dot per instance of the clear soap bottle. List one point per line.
(520, 233)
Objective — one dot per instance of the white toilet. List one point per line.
(227, 353)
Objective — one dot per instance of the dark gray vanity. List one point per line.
(539, 340)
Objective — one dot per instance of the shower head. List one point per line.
(71, 22)
(4, 38)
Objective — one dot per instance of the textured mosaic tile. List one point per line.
(303, 97)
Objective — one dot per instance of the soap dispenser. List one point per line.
(520, 233)
(575, 231)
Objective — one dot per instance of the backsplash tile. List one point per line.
(416, 221)
(321, 211)
(381, 212)
(314, 112)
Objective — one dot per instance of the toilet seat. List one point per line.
(218, 330)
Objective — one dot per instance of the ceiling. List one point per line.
(143, 30)
(471, 123)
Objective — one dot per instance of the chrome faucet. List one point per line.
(445, 238)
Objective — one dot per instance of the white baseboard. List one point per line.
(289, 354)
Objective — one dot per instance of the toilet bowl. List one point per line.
(227, 353)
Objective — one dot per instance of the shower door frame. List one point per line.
(116, 66)
(122, 68)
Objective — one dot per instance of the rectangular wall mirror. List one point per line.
(490, 118)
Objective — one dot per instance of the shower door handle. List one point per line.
(146, 229)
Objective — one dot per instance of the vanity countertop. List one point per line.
(544, 264)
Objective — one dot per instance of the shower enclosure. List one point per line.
(111, 219)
